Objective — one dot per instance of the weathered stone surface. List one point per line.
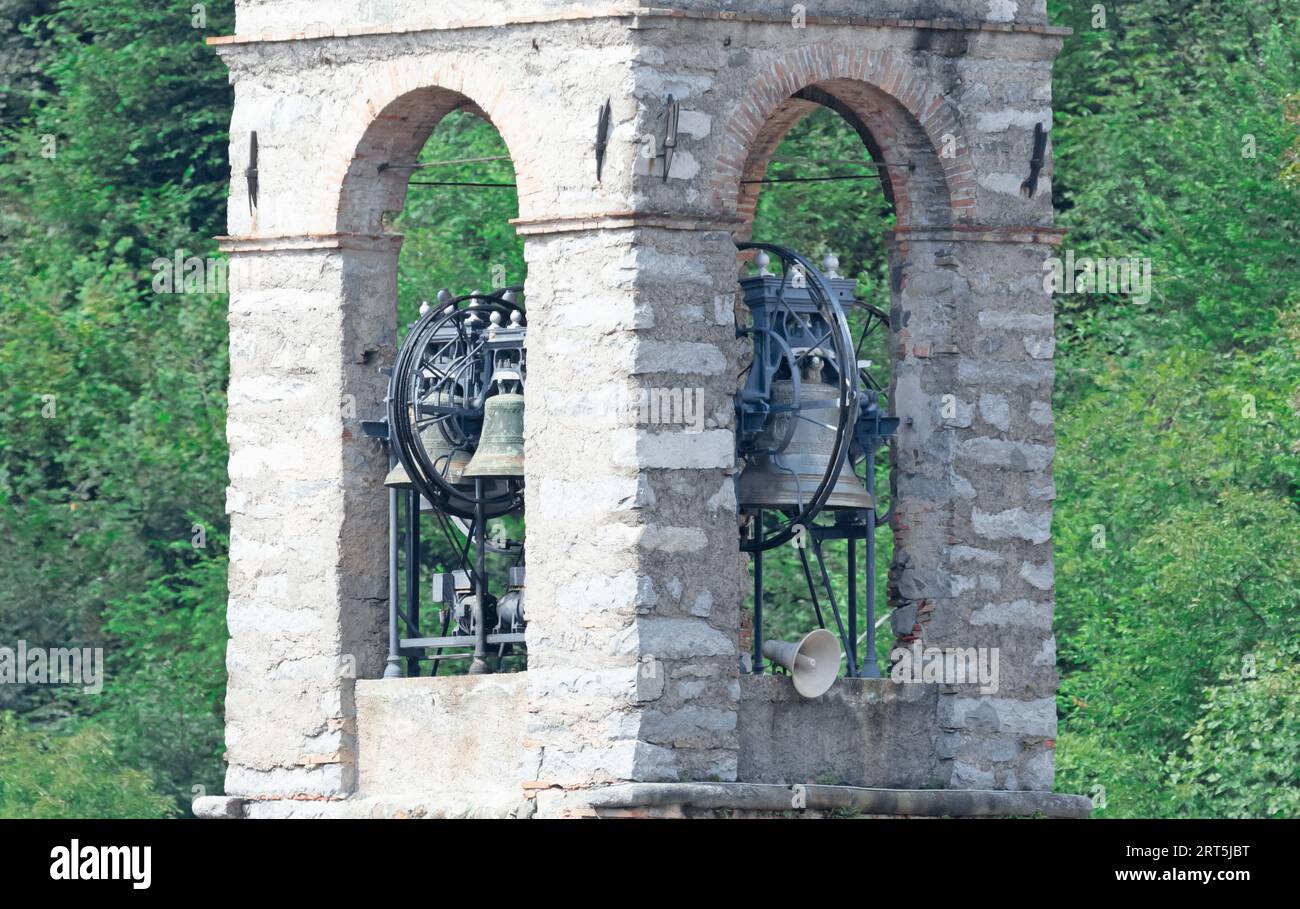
(782, 800)
(635, 584)
(460, 735)
(1014, 524)
(1029, 718)
(863, 732)
(218, 807)
(1020, 612)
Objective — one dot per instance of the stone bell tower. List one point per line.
(634, 700)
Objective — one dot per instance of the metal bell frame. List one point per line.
(791, 321)
(815, 325)
(449, 356)
(443, 375)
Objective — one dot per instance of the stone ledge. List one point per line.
(270, 36)
(273, 243)
(625, 220)
(760, 797)
(975, 233)
(411, 805)
(458, 734)
(218, 807)
(862, 732)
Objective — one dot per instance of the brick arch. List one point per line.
(395, 120)
(899, 116)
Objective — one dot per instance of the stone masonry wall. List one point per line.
(634, 577)
(308, 599)
(633, 586)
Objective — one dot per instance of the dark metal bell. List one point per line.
(398, 478)
(500, 450)
(789, 479)
(450, 462)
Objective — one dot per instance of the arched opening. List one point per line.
(434, 170)
(456, 220)
(824, 198)
(458, 240)
(832, 173)
(914, 179)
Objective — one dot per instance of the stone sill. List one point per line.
(680, 799)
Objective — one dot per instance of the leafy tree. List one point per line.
(1177, 422)
(1243, 750)
(76, 775)
(459, 237)
(112, 154)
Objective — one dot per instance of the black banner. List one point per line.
(131, 858)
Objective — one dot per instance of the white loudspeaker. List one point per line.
(813, 662)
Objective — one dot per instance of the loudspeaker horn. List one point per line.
(813, 661)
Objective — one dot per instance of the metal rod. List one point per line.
(870, 669)
(455, 183)
(823, 179)
(837, 162)
(413, 570)
(479, 666)
(461, 640)
(835, 609)
(758, 597)
(393, 665)
(852, 570)
(812, 586)
(464, 655)
(446, 621)
(470, 183)
(411, 627)
(448, 163)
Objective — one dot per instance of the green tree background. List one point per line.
(1178, 422)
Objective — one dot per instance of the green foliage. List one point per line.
(1291, 172)
(166, 678)
(459, 237)
(1244, 749)
(112, 404)
(1168, 144)
(846, 217)
(74, 775)
(1177, 422)
(1121, 781)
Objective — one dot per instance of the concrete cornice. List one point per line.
(278, 243)
(635, 17)
(776, 798)
(624, 220)
(977, 233)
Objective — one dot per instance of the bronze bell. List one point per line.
(450, 462)
(764, 484)
(398, 478)
(501, 445)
